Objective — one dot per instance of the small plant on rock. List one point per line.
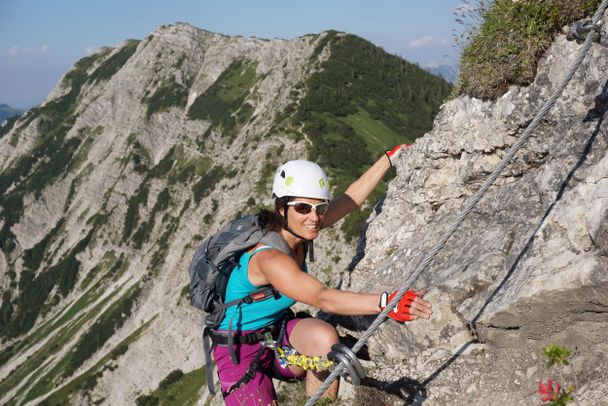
(551, 392)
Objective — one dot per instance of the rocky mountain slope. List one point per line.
(527, 268)
(140, 152)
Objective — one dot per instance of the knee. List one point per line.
(324, 336)
(313, 337)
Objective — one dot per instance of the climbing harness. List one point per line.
(259, 336)
(581, 29)
(339, 353)
(289, 356)
(592, 36)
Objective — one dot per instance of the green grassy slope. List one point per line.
(362, 102)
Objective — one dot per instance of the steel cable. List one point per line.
(471, 204)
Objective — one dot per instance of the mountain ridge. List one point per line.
(448, 72)
(6, 112)
(99, 183)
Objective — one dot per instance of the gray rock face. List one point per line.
(528, 267)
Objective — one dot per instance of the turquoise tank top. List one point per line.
(251, 316)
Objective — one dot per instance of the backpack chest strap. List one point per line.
(263, 293)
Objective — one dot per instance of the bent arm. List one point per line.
(356, 194)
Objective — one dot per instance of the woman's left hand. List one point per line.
(394, 154)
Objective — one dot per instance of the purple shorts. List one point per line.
(259, 390)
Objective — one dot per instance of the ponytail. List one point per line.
(273, 220)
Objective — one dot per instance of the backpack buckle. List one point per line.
(256, 296)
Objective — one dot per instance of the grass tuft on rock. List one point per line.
(512, 38)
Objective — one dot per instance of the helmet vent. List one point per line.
(283, 174)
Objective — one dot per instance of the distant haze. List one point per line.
(7, 111)
(448, 72)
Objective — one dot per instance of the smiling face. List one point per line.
(307, 225)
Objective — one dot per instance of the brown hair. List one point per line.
(273, 220)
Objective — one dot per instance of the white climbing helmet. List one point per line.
(302, 179)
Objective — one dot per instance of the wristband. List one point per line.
(397, 151)
(383, 300)
(389, 161)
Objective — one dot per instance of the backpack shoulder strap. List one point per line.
(277, 242)
(208, 360)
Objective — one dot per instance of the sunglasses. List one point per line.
(305, 208)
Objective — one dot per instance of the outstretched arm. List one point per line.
(282, 272)
(356, 194)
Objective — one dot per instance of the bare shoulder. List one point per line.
(269, 261)
(269, 256)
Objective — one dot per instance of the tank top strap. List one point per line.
(262, 248)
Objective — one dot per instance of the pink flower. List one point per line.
(548, 391)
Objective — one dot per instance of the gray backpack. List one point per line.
(211, 267)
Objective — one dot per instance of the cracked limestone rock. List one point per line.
(528, 267)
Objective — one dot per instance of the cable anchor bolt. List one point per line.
(354, 370)
(581, 29)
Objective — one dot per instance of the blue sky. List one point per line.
(41, 39)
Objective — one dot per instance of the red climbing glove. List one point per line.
(401, 312)
(394, 153)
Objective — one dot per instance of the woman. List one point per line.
(302, 209)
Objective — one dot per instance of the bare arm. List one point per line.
(282, 272)
(356, 194)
